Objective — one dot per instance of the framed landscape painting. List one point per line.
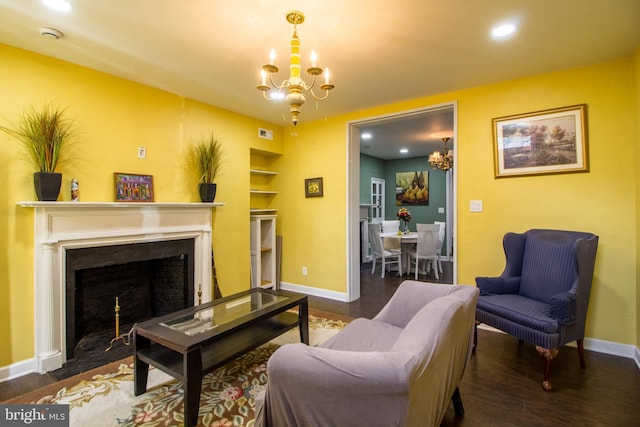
(543, 142)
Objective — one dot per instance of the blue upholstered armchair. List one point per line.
(543, 294)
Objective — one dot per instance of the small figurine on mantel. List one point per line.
(74, 190)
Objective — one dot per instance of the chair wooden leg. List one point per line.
(373, 268)
(475, 336)
(580, 343)
(549, 355)
(457, 403)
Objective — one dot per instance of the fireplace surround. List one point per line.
(63, 226)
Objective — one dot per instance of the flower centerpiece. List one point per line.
(404, 216)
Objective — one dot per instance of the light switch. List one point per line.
(475, 205)
(440, 210)
(142, 152)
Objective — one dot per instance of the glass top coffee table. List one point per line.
(190, 343)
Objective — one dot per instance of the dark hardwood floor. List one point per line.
(502, 382)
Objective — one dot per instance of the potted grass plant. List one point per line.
(44, 135)
(205, 158)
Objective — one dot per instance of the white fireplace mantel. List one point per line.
(59, 226)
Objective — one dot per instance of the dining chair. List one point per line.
(391, 226)
(387, 257)
(426, 249)
(441, 233)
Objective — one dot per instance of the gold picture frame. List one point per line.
(313, 187)
(543, 142)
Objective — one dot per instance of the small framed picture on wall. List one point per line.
(313, 187)
(129, 187)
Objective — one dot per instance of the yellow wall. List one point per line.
(602, 201)
(636, 75)
(314, 228)
(114, 117)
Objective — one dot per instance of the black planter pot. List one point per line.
(47, 185)
(207, 192)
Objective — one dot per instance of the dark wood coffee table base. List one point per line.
(190, 363)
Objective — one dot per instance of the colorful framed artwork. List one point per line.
(542, 142)
(129, 187)
(313, 187)
(412, 188)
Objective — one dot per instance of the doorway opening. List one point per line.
(430, 124)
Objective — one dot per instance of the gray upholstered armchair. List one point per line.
(543, 294)
(401, 368)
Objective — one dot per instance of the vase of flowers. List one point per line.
(404, 216)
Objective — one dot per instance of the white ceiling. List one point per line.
(379, 52)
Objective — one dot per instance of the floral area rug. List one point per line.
(227, 397)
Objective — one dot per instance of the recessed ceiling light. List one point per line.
(365, 135)
(503, 31)
(61, 5)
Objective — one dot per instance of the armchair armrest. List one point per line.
(563, 307)
(498, 285)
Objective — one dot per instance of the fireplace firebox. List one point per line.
(149, 280)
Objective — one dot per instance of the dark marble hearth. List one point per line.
(90, 353)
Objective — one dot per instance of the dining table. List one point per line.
(407, 240)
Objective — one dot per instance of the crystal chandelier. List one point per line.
(444, 160)
(294, 85)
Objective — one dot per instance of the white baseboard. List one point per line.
(17, 369)
(316, 292)
(599, 346)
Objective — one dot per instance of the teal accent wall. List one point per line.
(386, 169)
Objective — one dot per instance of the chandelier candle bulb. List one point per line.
(314, 58)
(272, 56)
(326, 76)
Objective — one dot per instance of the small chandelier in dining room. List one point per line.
(294, 84)
(444, 160)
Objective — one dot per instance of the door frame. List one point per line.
(353, 193)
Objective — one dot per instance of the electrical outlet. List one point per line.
(142, 152)
(304, 270)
